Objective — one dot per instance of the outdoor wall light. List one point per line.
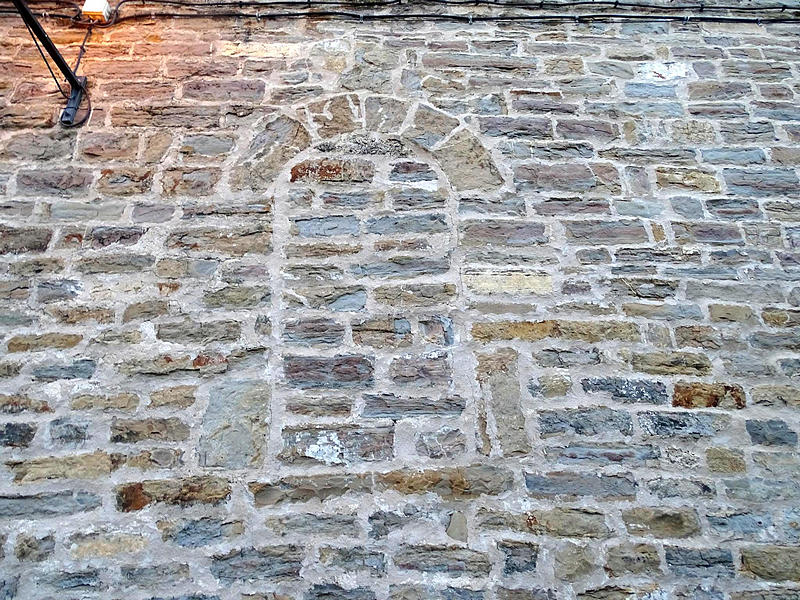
(96, 10)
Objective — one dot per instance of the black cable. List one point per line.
(586, 17)
(49, 3)
(465, 18)
(81, 52)
(537, 5)
(612, 3)
(46, 62)
(376, 3)
(705, 17)
(540, 5)
(496, 3)
(250, 3)
(431, 16)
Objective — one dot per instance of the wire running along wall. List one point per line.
(464, 11)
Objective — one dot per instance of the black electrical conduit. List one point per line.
(539, 5)
(337, 15)
(346, 16)
(663, 12)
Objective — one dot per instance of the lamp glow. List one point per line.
(96, 10)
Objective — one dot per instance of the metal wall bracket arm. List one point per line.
(77, 84)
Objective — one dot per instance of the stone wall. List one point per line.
(402, 311)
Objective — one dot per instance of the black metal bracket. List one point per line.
(75, 98)
(77, 84)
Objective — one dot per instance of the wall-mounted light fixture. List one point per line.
(96, 10)
(77, 84)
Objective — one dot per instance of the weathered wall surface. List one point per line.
(323, 310)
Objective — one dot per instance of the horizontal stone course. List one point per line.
(199, 489)
(563, 484)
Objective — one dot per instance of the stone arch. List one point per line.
(366, 263)
(463, 158)
(366, 194)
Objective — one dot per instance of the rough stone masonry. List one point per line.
(337, 311)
